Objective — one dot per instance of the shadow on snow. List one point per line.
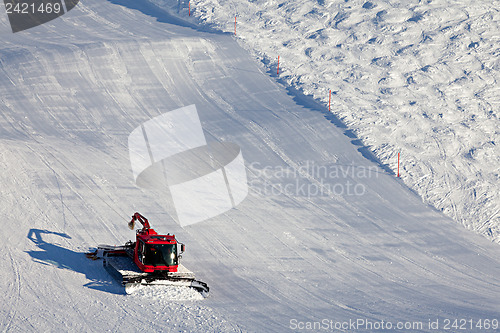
(162, 16)
(62, 258)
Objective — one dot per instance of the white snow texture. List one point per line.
(326, 234)
(416, 77)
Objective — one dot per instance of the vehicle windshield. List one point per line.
(161, 254)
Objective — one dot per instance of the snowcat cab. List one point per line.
(154, 252)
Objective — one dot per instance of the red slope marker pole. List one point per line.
(398, 165)
(329, 100)
(278, 72)
(235, 25)
(189, 6)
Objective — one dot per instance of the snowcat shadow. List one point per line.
(162, 16)
(57, 256)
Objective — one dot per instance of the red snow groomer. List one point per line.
(151, 260)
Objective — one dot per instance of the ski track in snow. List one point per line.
(415, 77)
(71, 92)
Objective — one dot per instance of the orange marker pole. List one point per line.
(398, 164)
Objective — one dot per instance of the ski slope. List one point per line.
(419, 78)
(345, 240)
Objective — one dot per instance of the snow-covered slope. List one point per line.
(416, 77)
(343, 241)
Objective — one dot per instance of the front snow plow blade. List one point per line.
(199, 286)
(129, 275)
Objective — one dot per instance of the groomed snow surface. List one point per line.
(326, 234)
(165, 293)
(419, 78)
